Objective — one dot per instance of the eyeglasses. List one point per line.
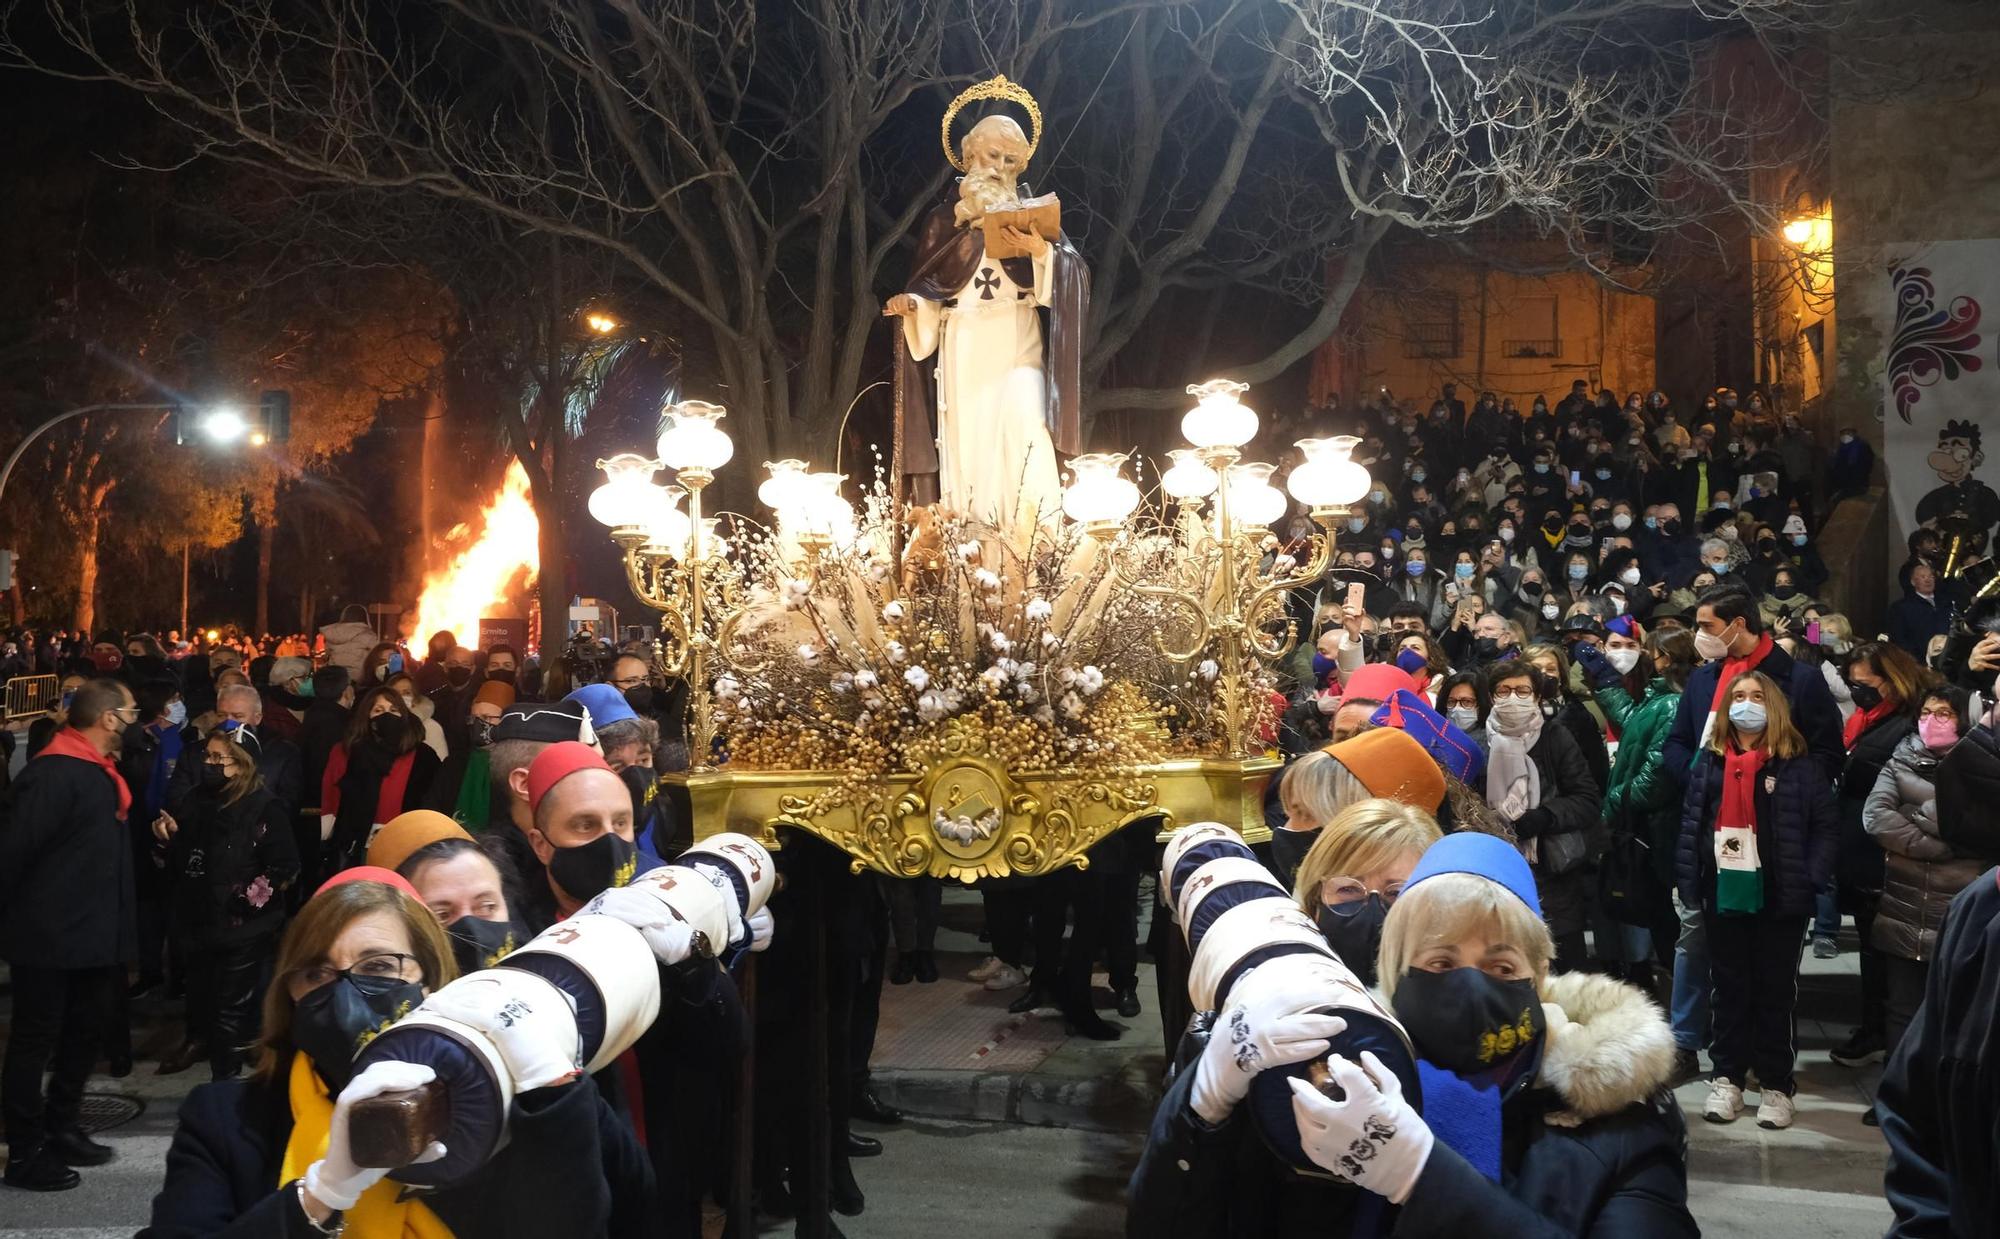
(1946, 713)
(626, 683)
(1348, 893)
(1522, 694)
(385, 966)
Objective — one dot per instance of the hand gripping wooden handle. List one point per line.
(394, 1129)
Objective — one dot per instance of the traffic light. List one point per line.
(274, 414)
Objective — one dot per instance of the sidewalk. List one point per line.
(950, 1050)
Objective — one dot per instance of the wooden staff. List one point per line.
(896, 450)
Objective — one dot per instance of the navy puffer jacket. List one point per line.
(1798, 833)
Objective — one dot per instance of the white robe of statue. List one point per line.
(996, 462)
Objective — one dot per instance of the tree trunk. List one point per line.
(267, 535)
(85, 617)
(552, 589)
(306, 609)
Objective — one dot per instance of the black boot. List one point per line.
(73, 1148)
(905, 969)
(842, 1191)
(40, 1172)
(926, 967)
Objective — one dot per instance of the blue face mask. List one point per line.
(1578, 572)
(1719, 569)
(1418, 475)
(1541, 466)
(1411, 661)
(1463, 571)
(1604, 475)
(1414, 567)
(1322, 666)
(1798, 539)
(1746, 715)
(177, 713)
(1652, 522)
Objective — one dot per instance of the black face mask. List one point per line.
(458, 677)
(1486, 649)
(1671, 527)
(1866, 696)
(1783, 591)
(480, 732)
(639, 781)
(1288, 850)
(1531, 589)
(1767, 546)
(1354, 931)
(387, 730)
(640, 698)
(477, 944)
(334, 1022)
(588, 870)
(505, 675)
(213, 777)
(1465, 1021)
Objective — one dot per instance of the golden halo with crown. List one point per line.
(997, 87)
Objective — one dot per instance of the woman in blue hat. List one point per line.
(1544, 1102)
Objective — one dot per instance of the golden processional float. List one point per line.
(938, 692)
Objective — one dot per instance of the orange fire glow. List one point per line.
(487, 574)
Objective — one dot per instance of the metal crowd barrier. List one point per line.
(30, 694)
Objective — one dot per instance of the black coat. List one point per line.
(1941, 1088)
(66, 893)
(1569, 808)
(325, 725)
(1861, 863)
(1797, 833)
(1968, 787)
(1199, 1182)
(217, 858)
(1617, 1170)
(278, 761)
(222, 1172)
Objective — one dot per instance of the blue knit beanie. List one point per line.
(1488, 856)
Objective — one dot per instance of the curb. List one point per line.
(1108, 1105)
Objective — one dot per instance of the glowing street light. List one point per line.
(601, 323)
(223, 424)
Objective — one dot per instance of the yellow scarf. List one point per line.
(378, 1214)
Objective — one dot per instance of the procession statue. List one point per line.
(1008, 392)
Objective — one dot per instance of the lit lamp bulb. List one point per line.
(1219, 418)
(1187, 479)
(694, 441)
(1328, 478)
(786, 491)
(1252, 498)
(825, 513)
(667, 530)
(1099, 497)
(627, 499)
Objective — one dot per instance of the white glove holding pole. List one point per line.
(1373, 1139)
(721, 882)
(671, 939)
(334, 1180)
(762, 926)
(1269, 1023)
(533, 1027)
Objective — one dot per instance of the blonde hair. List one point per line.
(1781, 739)
(1316, 787)
(1451, 907)
(1363, 837)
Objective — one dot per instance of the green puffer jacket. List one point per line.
(1641, 798)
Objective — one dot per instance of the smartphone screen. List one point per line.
(1576, 477)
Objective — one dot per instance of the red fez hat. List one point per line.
(556, 763)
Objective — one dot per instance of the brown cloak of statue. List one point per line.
(946, 258)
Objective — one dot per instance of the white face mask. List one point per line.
(1621, 521)
(1512, 716)
(1463, 717)
(1630, 576)
(1624, 660)
(1550, 611)
(1709, 646)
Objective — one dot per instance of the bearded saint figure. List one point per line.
(1008, 396)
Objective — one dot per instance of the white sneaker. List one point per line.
(987, 969)
(1725, 1102)
(1006, 977)
(1776, 1110)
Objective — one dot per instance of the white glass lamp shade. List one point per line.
(1219, 417)
(1187, 478)
(1098, 494)
(786, 491)
(823, 511)
(1328, 478)
(1252, 498)
(667, 531)
(694, 438)
(628, 496)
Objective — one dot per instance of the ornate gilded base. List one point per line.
(970, 817)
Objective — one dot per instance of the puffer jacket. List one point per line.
(1595, 1148)
(1860, 861)
(1798, 833)
(1968, 786)
(1924, 873)
(1641, 798)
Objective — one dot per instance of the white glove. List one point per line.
(534, 1030)
(671, 938)
(1373, 1139)
(1269, 1023)
(762, 926)
(334, 1180)
(720, 880)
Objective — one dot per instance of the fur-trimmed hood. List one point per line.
(1607, 1046)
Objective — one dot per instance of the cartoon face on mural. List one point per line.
(1961, 497)
(1957, 453)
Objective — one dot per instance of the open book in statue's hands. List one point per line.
(1041, 215)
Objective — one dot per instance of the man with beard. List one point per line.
(1005, 404)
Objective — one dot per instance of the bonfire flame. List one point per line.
(486, 575)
